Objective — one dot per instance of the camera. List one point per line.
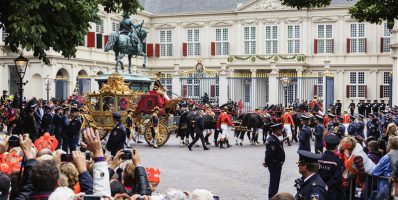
(126, 155)
(91, 197)
(88, 156)
(66, 158)
(13, 141)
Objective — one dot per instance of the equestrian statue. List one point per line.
(130, 40)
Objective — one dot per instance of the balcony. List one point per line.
(280, 58)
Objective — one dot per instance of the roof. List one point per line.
(206, 6)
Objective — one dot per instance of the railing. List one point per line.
(280, 58)
(375, 188)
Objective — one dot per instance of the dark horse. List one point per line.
(251, 123)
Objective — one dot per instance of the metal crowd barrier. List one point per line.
(376, 188)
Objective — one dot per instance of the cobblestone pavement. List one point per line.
(233, 174)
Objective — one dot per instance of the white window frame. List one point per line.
(166, 80)
(320, 87)
(4, 35)
(357, 84)
(293, 39)
(115, 26)
(249, 38)
(247, 90)
(222, 41)
(325, 38)
(99, 27)
(386, 38)
(357, 38)
(193, 88)
(166, 43)
(193, 38)
(386, 84)
(271, 39)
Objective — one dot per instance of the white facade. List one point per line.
(250, 47)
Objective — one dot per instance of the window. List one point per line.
(385, 87)
(386, 38)
(193, 42)
(357, 86)
(4, 35)
(271, 39)
(222, 44)
(357, 38)
(325, 39)
(115, 26)
(320, 87)
(249, 34)
(99, 27)
(166, 81)
(193, 85)
(247, 83)
(293, 39)
(166, 45)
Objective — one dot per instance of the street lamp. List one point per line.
(21, 63)
(48, 81)
(285, 84)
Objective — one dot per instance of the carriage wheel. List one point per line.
(162, 136)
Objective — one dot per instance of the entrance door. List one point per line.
(61, 89)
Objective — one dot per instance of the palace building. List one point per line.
(256, 51)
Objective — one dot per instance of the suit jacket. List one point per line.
(304, 139)
(117, 138)
(313, 188)
(199, 125)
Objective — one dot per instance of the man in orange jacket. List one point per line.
(224, 123)
(288, 123)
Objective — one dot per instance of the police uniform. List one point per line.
(375, 107)
(331, 169)
(382, 106)
(338, 107)
(318, 133)
(312, 187)
(373, 128)
(73, 133)
(305, 136)
(360, 126)
(57, 123)
(274, 159)
(352, 108)
(352, 127)
(47, 121)
(117, 136)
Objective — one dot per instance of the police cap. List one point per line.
(276, 126)
(319, 117)
(361, 116)
(352, 117)
(331, 115)
(308, 157)
(332, 140)
(116, 115)
(57, 108)
(305, 117)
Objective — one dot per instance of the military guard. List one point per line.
(375, 108)
(72, 131)
(288, 124)
(338, 106)
(361, 107)
(382, 106)
(274, 158)
(352, 107)
(368, 108)
(310, 186)
(224, 123)
(318, 133)
(331, 168)
(117, 136)
(199, 128)
(305, 134)
(315, 106)
(154, 125)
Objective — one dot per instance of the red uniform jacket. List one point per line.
(346, 119)
(325, 120)
(224, 118)
(287, 119)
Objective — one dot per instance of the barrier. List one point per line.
(374, 188)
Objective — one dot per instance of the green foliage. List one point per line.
(373, 11)
(60, 25)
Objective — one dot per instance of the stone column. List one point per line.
(253, 88)
(273, 84)
(175, 81)
(394, 54)
(223, 85)
(299, 84)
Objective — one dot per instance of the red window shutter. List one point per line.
(149, 50)
(347, 91)
(106, 37)
(157, 50)
(381, 45)
(315, 46)
(212, 90)
(348, 45)
(381, 91)
(332, 45)
(213, 48)
(366, 45)
(90, 39)
(315, 90)
(184, 49)
(184, 90)
(366, 91)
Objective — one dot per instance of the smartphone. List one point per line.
(126, 155)
(216, 198)
(13, 141)
(91, 197)
(88, 156)
(66, 158)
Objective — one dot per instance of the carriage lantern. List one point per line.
(285, 84)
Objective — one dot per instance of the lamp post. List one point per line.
(48, 81)
(285, 84)
(21, 64)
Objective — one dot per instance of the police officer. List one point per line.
(382, 106)
(57, 123)
(154, 125)
(310, 186)
(73, 131)
(375, 107)
(352, 107)
(65, 122)
(329, 125)
(199, 128)
(338, 107)
(274, 158)
(117, 136)
(331, 168)
(361, 107)
(47, 120)
(373, 126)
(318, 133)
(368, 108)
(360, 127)
(341, 128)
(305, 134)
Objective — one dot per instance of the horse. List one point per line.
(121, 44)
(253, 122)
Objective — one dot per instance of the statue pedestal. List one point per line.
(136, 82)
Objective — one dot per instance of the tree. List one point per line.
(57, 24)
(373, 11)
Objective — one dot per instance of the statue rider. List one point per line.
(127, 27)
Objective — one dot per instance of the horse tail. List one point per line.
(111, 41)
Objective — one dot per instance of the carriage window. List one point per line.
(108, 103)
(122, 103)
(95, 103)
